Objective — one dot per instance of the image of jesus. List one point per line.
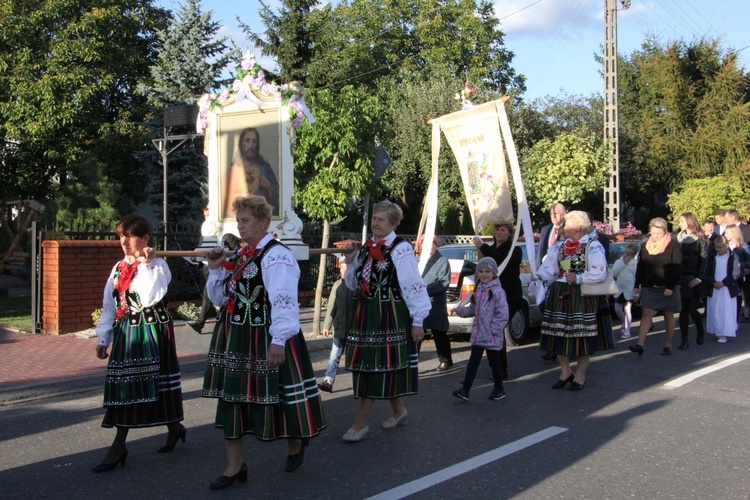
(249, 173)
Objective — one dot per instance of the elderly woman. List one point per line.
(510, 277)
(258, 365)
(392, 303)
(570, 326)
(142, 387)
(694, 247)
(657, 282)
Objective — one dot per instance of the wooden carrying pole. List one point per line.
(203, 253)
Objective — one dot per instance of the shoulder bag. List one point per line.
(606, 287)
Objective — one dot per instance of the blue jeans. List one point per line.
(337, 350)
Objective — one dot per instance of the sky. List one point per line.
(555, 41)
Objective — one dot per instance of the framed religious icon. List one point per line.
(249, 132)
(249, 157)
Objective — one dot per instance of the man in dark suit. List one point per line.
(733, 217)
(550, 234)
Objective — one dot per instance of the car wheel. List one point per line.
(518, 327)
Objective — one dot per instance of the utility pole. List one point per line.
(611, 121)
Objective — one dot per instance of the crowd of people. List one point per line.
(258, 367)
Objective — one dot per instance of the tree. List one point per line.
(565, 168)
(69, 72)
(410, 105)
(684, 114)
(333, 159)
(704, 196)
(289, 36)
(370, 39)
(189, 63)
(191, 59)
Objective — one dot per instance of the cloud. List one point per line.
(545, 17)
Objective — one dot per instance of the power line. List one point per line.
(519, 10)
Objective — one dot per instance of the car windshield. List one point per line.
(469, 253)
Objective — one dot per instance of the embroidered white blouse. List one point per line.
(409, 279)
(280, 278)
(597, 265)
(150, 283)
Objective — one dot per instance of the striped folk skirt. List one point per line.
(271, 403)
(572, 325)
(142, 385)
(380, 352)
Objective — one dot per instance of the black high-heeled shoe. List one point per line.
(103, 467)
(637, 349)
(226, 481)
(294, 461)
(561, 383)
(172, 440)
(684, 345)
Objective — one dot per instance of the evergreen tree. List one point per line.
(188, 65)
(289, 37)
(191, 59)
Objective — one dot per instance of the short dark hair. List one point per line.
(134, 225)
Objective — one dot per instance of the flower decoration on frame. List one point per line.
(250, 78)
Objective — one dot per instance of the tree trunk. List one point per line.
(321, 278)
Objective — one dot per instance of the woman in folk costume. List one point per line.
(258, 365)
(392, 303)
(142, 387)
(570, 326)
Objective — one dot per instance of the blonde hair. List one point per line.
(255, 204)
(734, 235)
(658, 222)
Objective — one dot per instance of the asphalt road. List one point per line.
(626, 435)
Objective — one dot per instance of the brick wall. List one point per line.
(74, 275)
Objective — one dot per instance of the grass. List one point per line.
(15, 312)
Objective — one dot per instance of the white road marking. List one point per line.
(468, 465)
(686, 379)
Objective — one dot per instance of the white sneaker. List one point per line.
(626, 335)
(722, 340)
(393, 422)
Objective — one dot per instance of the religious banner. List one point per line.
(474, 137)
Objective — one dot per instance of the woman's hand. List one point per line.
(417, 333)
(215, 257)
(350, 251)
(478, 241)
(148, 255)
(570, 277)
(668, 292)
(694, 282)
(101, 352)
(718, 284)
(275, 356)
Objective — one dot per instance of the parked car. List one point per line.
(463, 259)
